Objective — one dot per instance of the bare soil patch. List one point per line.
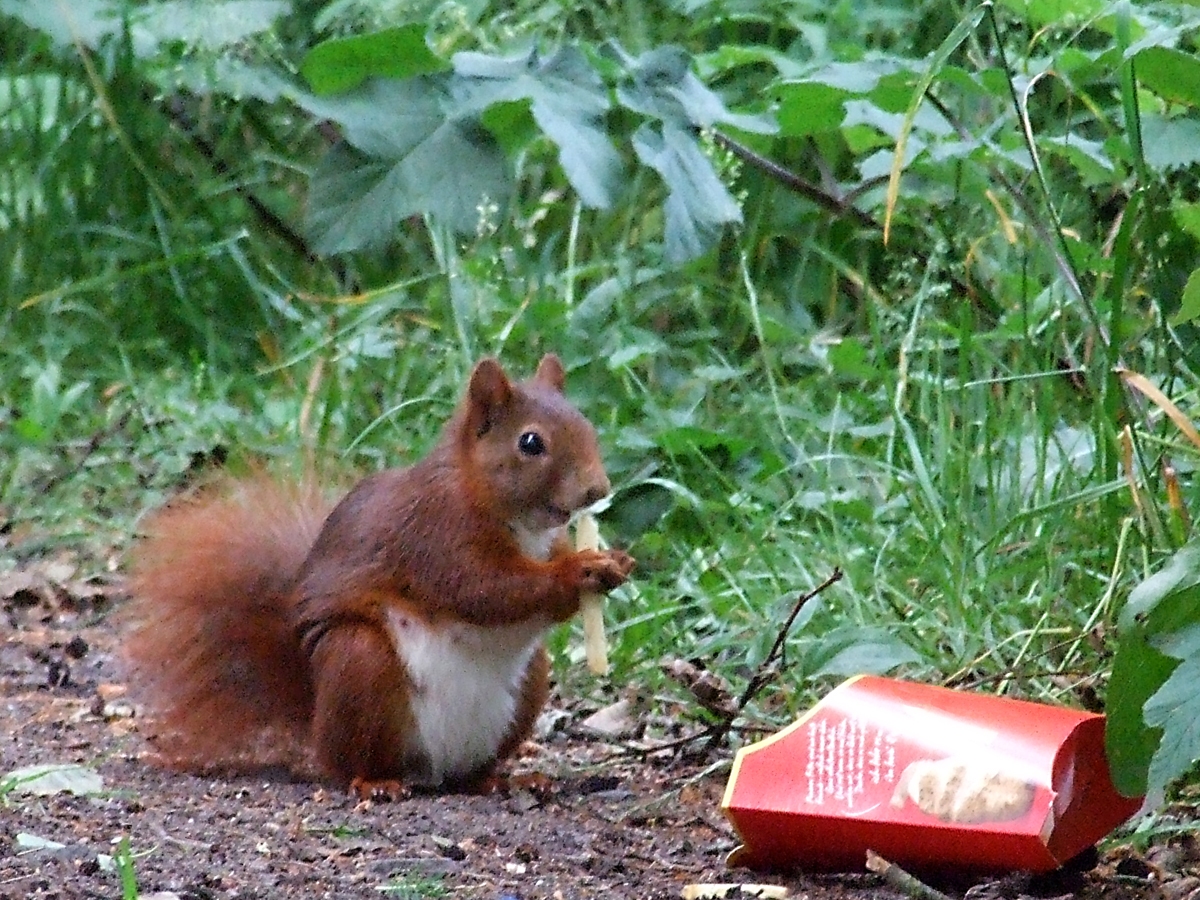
(607, 824)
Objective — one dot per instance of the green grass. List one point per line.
(414, 887)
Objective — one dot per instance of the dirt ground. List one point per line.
(609, 824)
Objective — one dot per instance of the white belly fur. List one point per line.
(466, 681)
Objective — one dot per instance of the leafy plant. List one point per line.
(435, 142)
(414, 887)
(1154, 713)
(122, 861)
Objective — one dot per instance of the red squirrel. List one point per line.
(396, 640)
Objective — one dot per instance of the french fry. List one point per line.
(591, 606)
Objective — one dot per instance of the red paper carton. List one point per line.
(926, 777)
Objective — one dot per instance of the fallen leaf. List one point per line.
(33, 842)
(44, 780)
(612, 720)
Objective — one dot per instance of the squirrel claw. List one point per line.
(378, 789)
(604, 570)
(536, 783)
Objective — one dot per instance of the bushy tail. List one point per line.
(212, 651)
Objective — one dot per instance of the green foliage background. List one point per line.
(855, 285)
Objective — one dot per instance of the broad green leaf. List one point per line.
(1087, 157)
(689, 438)
(357, 201)
(698, 205)
(211, 25)
(386, 118)
(1187, 217)
(1149, 744)
(1138, 672)
(649, 346)
(849, 359)
(928, 122)
(1181, 643)
(567, 100)
(664, 87)
(512, 124)
(657, 75)
(344, 63)
(1059, 13)
(860, 77)
(732, 56)
(86, 22)
(810, 107)
(411, 153)
(1170, 143)
(1189, 306)
(1180, 574)
(1076, 64)
(1175, 710)
(598, 305)
(855, 650)
(1172, 74)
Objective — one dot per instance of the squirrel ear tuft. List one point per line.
(487, 394)
(550, 371)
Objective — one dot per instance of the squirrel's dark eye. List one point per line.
(531, 444)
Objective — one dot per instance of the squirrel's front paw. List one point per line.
(604, 570)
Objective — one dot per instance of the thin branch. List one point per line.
(93, 444)
(765, 670)
(902, 880)
(843, 206)
(822, 198)
(267, 217)
(675, 744)
(271, 221)
(715, 732)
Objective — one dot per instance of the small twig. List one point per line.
(764, 672)
(901, 880)
(270, 220)
(840, 206)
(642, 752)
(94, 443)
(715, 733)
(17, 878)
(793, 182)
(777, 647)
(185, 843)
(661, 800)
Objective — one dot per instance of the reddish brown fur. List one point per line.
(360, 717)
(213, 649)
(257, 618)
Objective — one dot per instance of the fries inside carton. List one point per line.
(926, 777)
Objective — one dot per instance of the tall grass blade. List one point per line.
(936, 61)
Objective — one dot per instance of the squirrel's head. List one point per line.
(535, 455)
